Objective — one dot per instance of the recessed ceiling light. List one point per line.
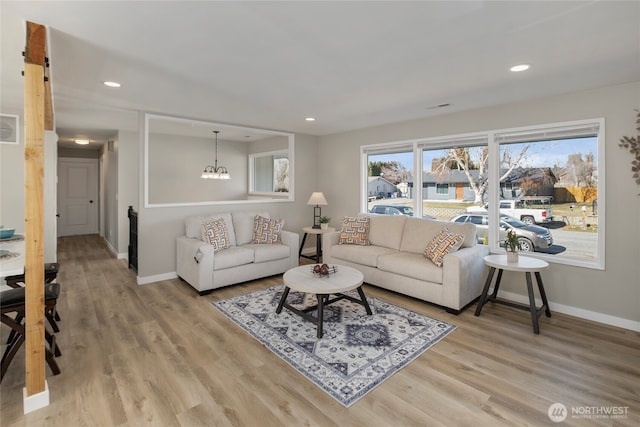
(521, 67)
(82, 141)
(112, 84)
(310, 119)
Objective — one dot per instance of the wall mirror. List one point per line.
(260, 163)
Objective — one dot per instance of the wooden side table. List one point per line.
(318, 232)
(526, 265)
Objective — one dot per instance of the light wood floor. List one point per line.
(160, 355)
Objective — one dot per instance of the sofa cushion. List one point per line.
(267, 230)
(467, 229)
(215, 233)
(411, 265)
(243, 225)
(365, 255)
(443, 243)
(264, 253)
(418, 232)
(232, 257)
(193, 225)
(387, 230)
(355, 231)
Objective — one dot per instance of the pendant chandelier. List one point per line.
(215, 171)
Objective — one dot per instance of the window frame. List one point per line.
(594, 127)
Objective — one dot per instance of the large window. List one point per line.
(545, 182)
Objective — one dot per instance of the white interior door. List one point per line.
(77, 196)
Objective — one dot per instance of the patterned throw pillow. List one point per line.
(215, 233)
(267, 230)
(443, 243)
(355, 231)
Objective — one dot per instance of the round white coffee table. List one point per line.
(303, 279)
(526, 265)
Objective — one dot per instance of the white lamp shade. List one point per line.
(317, 198)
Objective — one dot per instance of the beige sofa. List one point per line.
(205, 270)
(395, 260)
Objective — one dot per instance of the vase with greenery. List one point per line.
(512, 245)
(324, 222)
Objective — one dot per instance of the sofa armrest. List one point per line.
(328, 241)
(194, 262)
(291, 239)
(463, 276)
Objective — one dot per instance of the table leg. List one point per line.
(320, 315)
(285, 293)
(364, 300)
(532, 304)
(485, 291)
(318, 247)
(543, 294)
(497, 285)
(304, 238)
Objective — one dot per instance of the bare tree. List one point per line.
(467, 159)
(281, 175)
(581, 170)
(392, 171)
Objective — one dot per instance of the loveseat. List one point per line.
(232, 257)
(393, 257)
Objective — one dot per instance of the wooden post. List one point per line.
(34, 119)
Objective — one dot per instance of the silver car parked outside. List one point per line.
(531, 237)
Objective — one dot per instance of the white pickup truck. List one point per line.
(521, 210)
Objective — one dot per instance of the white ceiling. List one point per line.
(348, 64)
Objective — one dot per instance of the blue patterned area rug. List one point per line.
(357, 352)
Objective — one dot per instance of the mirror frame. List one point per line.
(291, 154)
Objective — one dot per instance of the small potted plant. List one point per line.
(512, 245)
(324, 222)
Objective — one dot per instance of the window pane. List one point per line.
(388, 183)
(552, 186)
(454, 179)
(263, 174)
(281, 174)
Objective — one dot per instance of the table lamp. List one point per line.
(317, 199)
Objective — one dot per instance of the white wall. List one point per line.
(12, 188)
(50, 199)
(109, 197)
(128, 159)
(612, 295)
(176, 162)
(12, 183)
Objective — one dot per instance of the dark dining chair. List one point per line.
(51, 270)
(12, 301)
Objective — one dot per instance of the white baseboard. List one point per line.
(113, 250)
(35, 401)
(577, 312)
(157, 278)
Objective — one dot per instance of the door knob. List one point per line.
(90, 201)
